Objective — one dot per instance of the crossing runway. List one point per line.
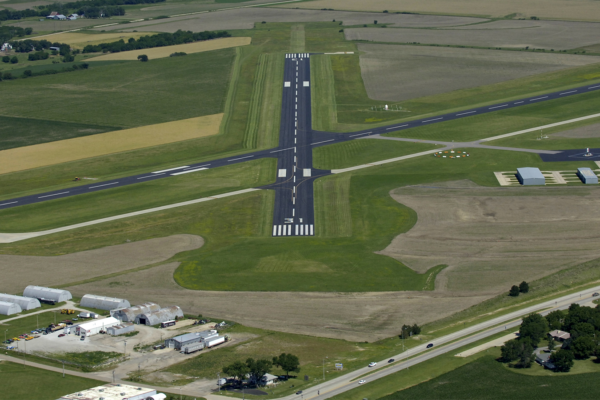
(294, 207)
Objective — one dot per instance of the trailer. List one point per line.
(211, 342)
(189, 349)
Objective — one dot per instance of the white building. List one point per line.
(115, 391)
(103, 302)
(45, 293)
(26, 303)
(9, 308)
(95, 326)
(6, 47)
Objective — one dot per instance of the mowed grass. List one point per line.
(88, 207)
(364, 151)
(24, 382)
(127, 94)
(27, 324)
(19, 132)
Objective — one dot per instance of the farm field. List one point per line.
(190, 48)
(67, 150)
(553, 9)
(246, 19)
(119, 94)
(425, 71)
(504, 33)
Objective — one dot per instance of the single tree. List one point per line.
(258, 368)
(583, 347)
(416, 329)
(514, 291)
(27, 73)
(143, 57)
(287, 362)
(551, 344)
(14, 60)
(6, 59)
(534, 327)
(562, 360)
(524, 287)
(238, 370)
(526, 356)
(375, 22)
(510, 350)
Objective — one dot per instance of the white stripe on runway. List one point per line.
(572, 91)
(503, 105)
(187, 172)
(278, 230)
(435, 119)
(358, 134)
(106, 184)
(311, 231)
(171, 169)
(324, 141)
(150, 176)
(284, 231)
(465, 113)
(395, 127)
(538, 98)
(289, 148)
(5, 204)
(274, 230)
(50, 195)
(593, 87)
(301, 230)
(306, 229)
(289, 230)
(241, 158)
(518, 102)
(296, 230)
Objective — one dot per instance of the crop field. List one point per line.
(67, 150)
(190, 48)
(506, 34)
(127, 95)
(420, 71)
(551, 9)
(79, 40)
(246, 18)
(493, 237)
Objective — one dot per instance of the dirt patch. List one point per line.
(74, 267)
(583, 132)
(557, 35)
(351, 316)
(246, 18)
(161, 52)
(423, 71)
(586, 10)
(51, 153)
(496, 237)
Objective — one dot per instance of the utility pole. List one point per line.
(219, 381)
(124, 346)
(64, 369)
(324, 367)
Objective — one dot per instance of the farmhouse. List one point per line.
(178, 342)
(9, 308)
(587, 176)
(47, 294)
(530, 176)
(268, 379)
(559, 335)
(26, 303)
(156, 317)
(129, 314)
(103, 302)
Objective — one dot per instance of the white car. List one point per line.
(362, 381)
(372, 364)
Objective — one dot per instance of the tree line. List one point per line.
(158, 40)
(89, 8)
(583, 324)
(8, 76)
(256, 369)
(9, 32)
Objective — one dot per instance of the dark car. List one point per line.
(391, 360)
(430, 345)
(299, 392)
(61, 335)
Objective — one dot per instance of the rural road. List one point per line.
(294, 209)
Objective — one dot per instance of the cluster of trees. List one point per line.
(583, 323)
(9, 59)
(9, 32)
(89, 8)
(27, 46)
(516, 290)
(408, 331)
(158, 40)
(256, 369)
(38, 55)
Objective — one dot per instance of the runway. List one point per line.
(293, 213)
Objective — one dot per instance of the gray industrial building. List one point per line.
(156, 317)
(129, 314)
(103, 302)
(178, 342)
(47, 294)
(120, 329)
(26, 303)
(530, 176)
(7, 308)
(587, 176)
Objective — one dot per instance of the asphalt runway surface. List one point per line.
(294, 207)
(573, 155)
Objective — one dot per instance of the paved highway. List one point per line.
(294, 210)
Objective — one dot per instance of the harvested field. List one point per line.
(585, 10)
(89, 264)
(61, 151)
(26, 5)
(160, 52)
(246, 18)
(80, 40)
(423, 71)
(557, 35)
(350, 316)
(583, 132)
(493, 238)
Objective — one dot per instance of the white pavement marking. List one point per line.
(287, 84)
(394, 127)
(307, 172)
(301, 230)
(311, 231)
(429, 120)
(50, 195)
(296, 230)
(284, 230)
(572, 91)
(5, 204)
(339, 171)
(465, 113)
(294, 213)
(306, 83)
(106, 184)
(187, 172)
(240, 158)
(518, 102)
(593, 87)
(171, 169)
(503, 105)
(306, 230)
(289, 230)
(289, 148)
(15, 237)
(324, 141)
(359, 134)
(282, 173)
(274, 230)
(294, 178)
(539, 98)
(150, 176)
(278, 230)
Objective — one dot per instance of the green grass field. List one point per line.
(43, 307)
(27, 324)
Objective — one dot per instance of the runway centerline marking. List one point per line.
(324, 141)
(240, 158)
(5, 204)
(358, 134)
(538, 98)
(503, 105)
(395, 127)
(572, 91)
(50, 195)
(435, 119)
(150, 176)
(171, 169)
(106, 184)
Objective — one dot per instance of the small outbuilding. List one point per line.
(103, 302)
(26, 303)
(120, 329)
(530, 176)
(115, 391)
(95, 326)
(268, 379)
(129, 314)
(178, 342)
(163, 315)
(7, 308)
(45, 294)
(587, 176)
(6, 47)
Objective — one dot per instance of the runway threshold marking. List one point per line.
(50, 195)
(106, 184)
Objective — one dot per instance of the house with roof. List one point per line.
(543, 359)
(559, 335)
(6, 47)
